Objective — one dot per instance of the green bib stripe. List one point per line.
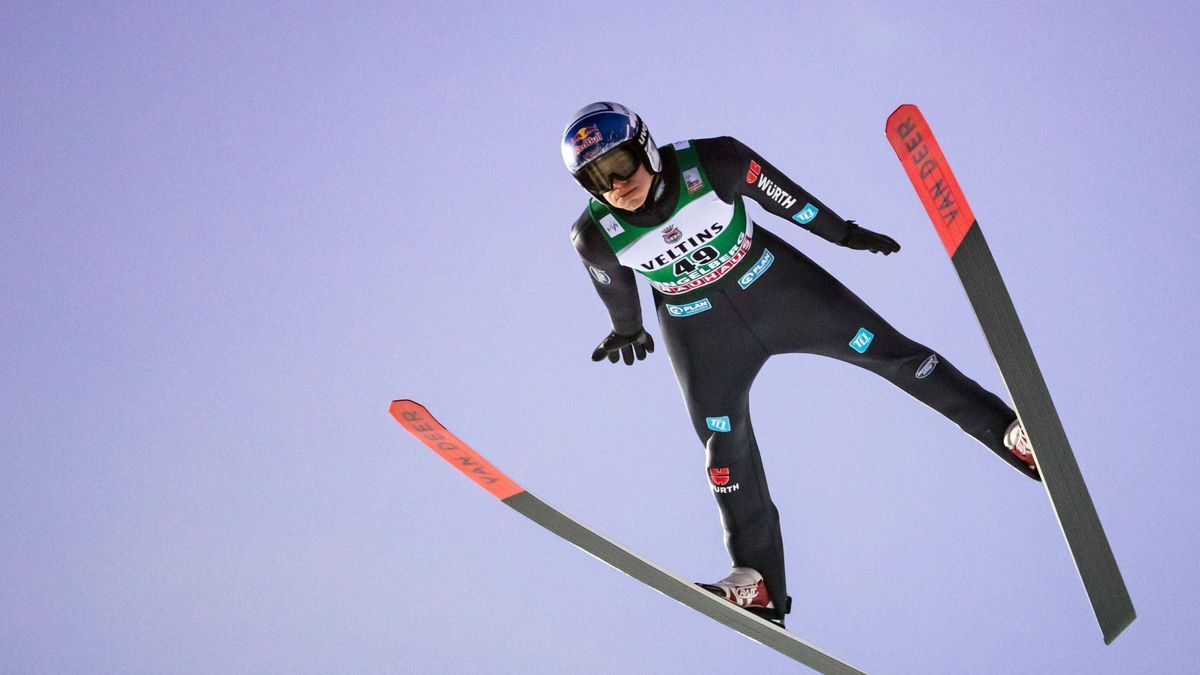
(691, 174)
(701, 242)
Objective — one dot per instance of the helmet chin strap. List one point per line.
(657, 187)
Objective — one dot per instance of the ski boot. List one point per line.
(1017, 442)
(745, 588)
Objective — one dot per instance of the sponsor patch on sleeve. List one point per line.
(600, 275)
(720, 424)
(806, 214)
(862, 340)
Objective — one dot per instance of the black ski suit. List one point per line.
(791, 305)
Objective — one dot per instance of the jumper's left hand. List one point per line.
(617, 347)
(862, 239)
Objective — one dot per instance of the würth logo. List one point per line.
(753, 171)
(719, 477)
(769, 188)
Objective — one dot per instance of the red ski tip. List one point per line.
(416, 419)
(930, 173)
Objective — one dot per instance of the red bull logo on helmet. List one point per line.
(585, 138)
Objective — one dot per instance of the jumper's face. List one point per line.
(631, 193)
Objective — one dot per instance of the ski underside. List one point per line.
(417, 420)
(935, 184)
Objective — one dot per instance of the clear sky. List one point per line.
(233, 233)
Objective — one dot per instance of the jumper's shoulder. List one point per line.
(588, 240)
(721, 149)
(725, 161)
(702, 145)
(584, 224)
(715, 141)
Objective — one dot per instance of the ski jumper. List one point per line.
(729, 295)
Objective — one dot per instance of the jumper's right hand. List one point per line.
(616, 347)
(862, 239)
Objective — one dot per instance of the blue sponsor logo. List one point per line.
(927, 367)
(862, 340)
(755, 272)
(719, 424)
(806, 214)
(689, 309)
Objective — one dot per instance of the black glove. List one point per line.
(615, 346)
(862, 239)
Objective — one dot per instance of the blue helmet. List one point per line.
(604, 141)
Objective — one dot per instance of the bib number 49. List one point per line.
(701, 256)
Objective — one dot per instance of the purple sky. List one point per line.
(232, 236)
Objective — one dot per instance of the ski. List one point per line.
(935, 184)
(417, 420)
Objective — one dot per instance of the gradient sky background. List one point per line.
(233, 234)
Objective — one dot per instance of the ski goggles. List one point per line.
(620, 163)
